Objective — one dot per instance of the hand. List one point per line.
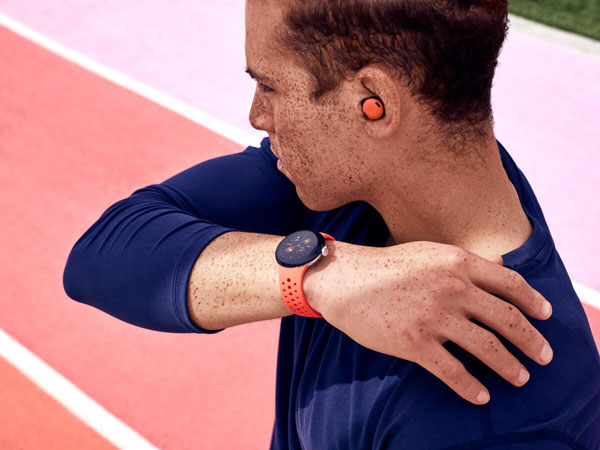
(413, 297)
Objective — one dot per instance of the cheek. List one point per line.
(316, 147)
(298, 136)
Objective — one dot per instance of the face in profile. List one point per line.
(322, 145)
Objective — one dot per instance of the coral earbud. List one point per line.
(373, 108)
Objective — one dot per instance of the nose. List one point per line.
(261, 115)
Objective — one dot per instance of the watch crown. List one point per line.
(324, 251)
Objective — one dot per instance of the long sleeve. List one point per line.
(134, 262)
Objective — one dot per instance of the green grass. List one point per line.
(578, 16)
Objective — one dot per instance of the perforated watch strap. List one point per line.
(290, 285)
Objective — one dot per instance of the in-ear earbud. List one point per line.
(373, 108)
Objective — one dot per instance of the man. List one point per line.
(407, 327)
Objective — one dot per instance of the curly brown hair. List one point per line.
(446, 50)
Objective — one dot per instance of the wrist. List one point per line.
(325, 283)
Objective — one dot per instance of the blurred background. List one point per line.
(579, 16)
(98, 99)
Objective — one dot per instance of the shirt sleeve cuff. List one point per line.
(182, 275)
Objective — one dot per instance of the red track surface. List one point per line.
(30, 418)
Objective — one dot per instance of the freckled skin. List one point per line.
(335, 155)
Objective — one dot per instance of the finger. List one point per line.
(508, 284)
(452, 372)
(509, 322)
(488, 348)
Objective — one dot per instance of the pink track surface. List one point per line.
(68, 153)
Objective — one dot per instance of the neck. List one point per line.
(469, 203)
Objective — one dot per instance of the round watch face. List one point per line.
(299, 248)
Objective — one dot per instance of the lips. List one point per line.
(274, 152)
(279, 163)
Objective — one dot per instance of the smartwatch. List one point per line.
(294, 254)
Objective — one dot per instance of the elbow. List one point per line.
(72, 277)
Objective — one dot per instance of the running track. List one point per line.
(72, 143)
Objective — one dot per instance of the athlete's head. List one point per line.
(430, 61)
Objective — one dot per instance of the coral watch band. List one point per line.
(290, 285)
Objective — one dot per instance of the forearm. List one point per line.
(235, 280)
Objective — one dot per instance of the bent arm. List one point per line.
(135, 261)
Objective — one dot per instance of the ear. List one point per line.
(373, 80)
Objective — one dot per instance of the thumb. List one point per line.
(496, 259)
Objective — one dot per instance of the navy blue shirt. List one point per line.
(134, 262)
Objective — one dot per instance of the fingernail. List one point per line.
(523, 376)
(482, 397)
(546, 354)
(546, 309)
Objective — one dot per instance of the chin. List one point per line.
(322, 202)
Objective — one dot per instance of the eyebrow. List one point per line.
(256, 76)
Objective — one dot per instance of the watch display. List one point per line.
(299, 248)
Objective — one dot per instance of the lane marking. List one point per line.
(583, 44)
(70, 396)
(586, 294)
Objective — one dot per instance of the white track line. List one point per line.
(554, 35)
(70, 396)
(587, 295)
(171, 103)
